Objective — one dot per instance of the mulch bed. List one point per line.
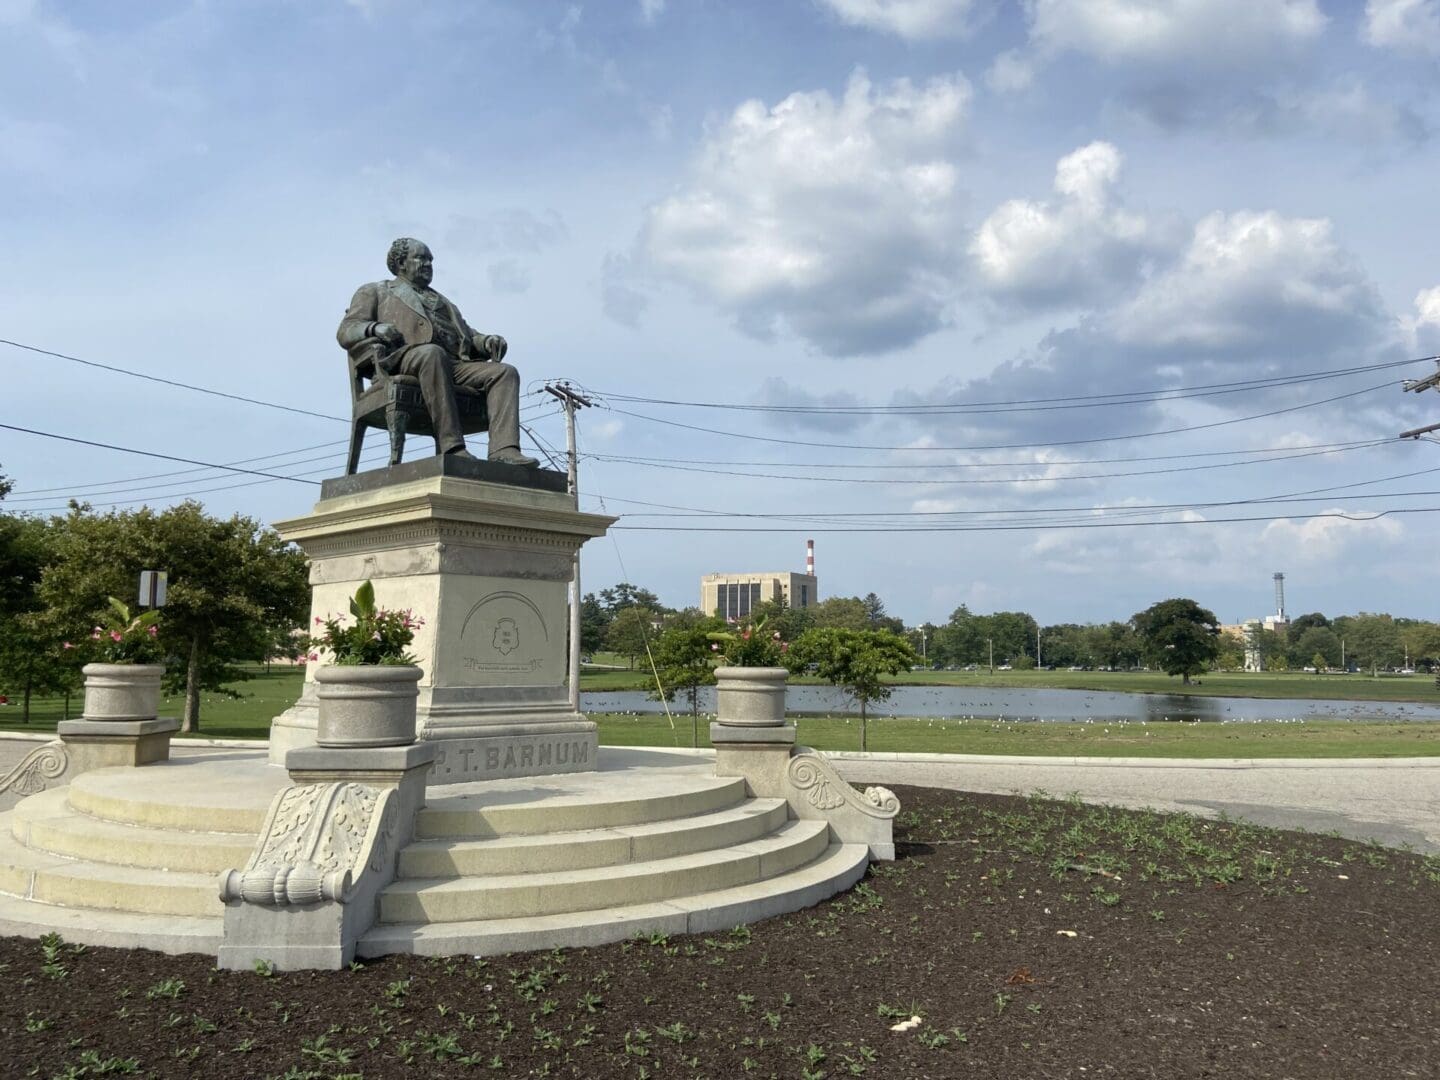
(1033, 938)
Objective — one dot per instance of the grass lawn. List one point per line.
(267, 694)
(1012, 938)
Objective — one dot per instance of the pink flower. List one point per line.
(776, 635)
(375, 636)
(115, 635)
(784, 646)
(313, 656)
(67, 645)
(746, 635)
(714, 647)
(152, 630)
(318, 620)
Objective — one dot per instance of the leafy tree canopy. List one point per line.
(1178, 636)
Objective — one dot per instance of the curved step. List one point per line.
(837, 868)
(54, 879)
(586, 848)
(188, 796)
(508, 809)
(118, 929)
(48, 823)
(514, 895)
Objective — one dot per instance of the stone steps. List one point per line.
(582, 849)
(46, 878)
(508, 896)
(48, 823)
(119, 929)
(837, 867)
(534, 808)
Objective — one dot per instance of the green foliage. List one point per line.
(752, 644)
(630, 632)
(683, 658)
(235, 587)
(377, 635)
(855, 660)
(1178, 636)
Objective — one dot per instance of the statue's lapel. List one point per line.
(406, 294)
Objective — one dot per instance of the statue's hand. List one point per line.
(495, 346)
(388, 334)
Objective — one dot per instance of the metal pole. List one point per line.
(991, 643)
(570, 401)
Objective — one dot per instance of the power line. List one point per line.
(152, 453)
(172, 382)
(952, 482)
(912, 466)
(1010, 446)
(1035, 404)
(1027, 527)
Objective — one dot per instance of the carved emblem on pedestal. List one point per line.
(507, 636)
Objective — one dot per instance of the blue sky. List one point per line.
(925, 207)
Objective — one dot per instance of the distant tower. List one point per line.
(1280, 598)
(810, 557)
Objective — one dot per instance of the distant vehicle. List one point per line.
(1003, 667)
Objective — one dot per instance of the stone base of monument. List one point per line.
(482, 553)
(650, 841)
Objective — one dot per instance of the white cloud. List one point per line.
(650, 10)
(1423, 328)
(834, 219)
(1405, 25)
(1327, 539)
(1253, 281)
(1079, 247)
(508, 276)
(1202, 33)
(913, 20)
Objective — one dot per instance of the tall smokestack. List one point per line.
(1280, 595)
(810, 557)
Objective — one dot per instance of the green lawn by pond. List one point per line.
(269, 693)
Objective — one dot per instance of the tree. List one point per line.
(1178, 636)
(1319, 641)
(842, 612)
(788, 622)
(1371, 641)
(594, 621)
(854, 660)
(234, 587)
(630, 632)
(1422, 642)
(31, 659)
(624, 595)
(683, 658)
(875, 617)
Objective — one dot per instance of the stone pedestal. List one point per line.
(759, 754)
(99, 744)
(483, 553)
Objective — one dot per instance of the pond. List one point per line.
(1059, 706)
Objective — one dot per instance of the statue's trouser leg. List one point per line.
(435, 369)
(501, 384)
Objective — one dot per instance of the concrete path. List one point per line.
(1395, 801)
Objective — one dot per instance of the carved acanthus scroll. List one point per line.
(317, 839)
(823, 788)
(47, 762)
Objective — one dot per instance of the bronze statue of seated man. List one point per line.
(426, 337)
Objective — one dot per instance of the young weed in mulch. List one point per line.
(1012, 938)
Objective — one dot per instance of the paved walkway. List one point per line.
(1393, 800)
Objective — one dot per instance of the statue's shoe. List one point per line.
(511, 456)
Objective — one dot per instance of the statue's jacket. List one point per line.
(399, 304)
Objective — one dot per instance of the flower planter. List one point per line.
(122, 691)
(364, 705)
(750, 696)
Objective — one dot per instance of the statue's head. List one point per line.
(410, 259)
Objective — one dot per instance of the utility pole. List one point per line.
(572, 401)
(1037, 646)
(1415, 386)
(991, 642)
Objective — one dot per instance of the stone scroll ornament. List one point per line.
(825, 790)
(44, 763)
(317, 841)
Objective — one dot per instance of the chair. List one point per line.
(394, 403)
